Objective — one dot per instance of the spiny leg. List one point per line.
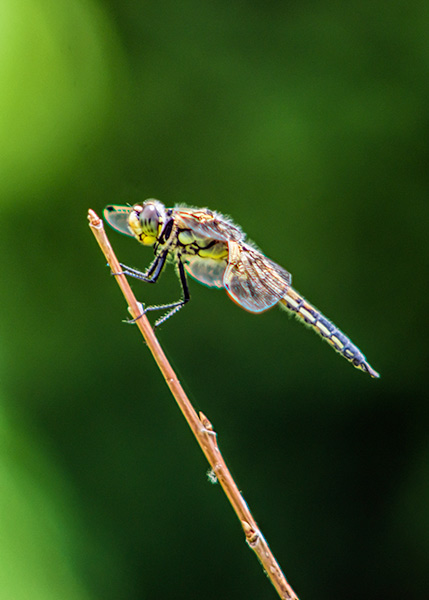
(172, 307)
(175, 306)
(151, 275)
(152, 272)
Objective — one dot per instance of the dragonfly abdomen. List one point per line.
(298, 305)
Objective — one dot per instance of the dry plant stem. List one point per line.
(200, 425)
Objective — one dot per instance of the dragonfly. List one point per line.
(213, 250)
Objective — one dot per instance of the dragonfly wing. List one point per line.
(117, 217)
(252, 280)
(208, 271)
(205, 223)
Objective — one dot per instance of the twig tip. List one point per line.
(94, 219)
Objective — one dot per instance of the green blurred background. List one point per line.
(308, 123)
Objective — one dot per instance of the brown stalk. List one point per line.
(200, 425)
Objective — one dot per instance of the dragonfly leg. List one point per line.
(172, 307)
(175, 306)
(152, 272)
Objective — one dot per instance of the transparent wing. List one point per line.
(205, 223)
(254, 281)
(117, 217)
(208, 271)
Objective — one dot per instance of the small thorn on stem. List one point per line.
(205, 422)
(251, 534)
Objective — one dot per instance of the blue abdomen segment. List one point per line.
(297, 304)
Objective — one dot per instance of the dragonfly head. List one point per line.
(147, 220)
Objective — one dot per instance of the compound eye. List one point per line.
(146, 221)
(149, 219)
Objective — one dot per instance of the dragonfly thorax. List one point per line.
(147, 221)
